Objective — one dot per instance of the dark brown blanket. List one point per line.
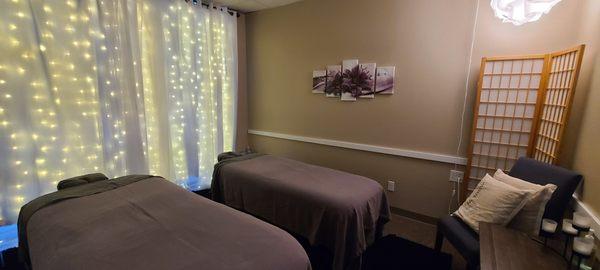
(338, 210)
(71, 188)
(154, 224)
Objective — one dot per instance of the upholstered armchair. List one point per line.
(466, 241)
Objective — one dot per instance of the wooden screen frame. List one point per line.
(543, 155)
(541, 96)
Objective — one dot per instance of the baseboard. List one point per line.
(413, 215)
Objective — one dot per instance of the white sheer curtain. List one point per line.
(112, 86)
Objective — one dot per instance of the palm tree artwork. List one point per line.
(352, 80)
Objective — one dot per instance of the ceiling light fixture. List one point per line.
(519, 12)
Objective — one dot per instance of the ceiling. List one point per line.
(253, 5)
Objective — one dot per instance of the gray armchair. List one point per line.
(466, 241)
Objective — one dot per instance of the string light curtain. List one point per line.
(113, 86)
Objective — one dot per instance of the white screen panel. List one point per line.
(556, 104)
(504, 115)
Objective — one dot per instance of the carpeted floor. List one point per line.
(424, 234)
(409, 229)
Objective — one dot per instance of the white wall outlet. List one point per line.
(456, 176)
(391, 186)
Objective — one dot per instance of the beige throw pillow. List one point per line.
(493, 202)
(528, 220)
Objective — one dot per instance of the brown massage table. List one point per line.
(146, 222)
(340, 211)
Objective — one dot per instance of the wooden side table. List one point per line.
(502, 248)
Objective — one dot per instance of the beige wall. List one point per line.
(428, 42)
(586, 149)
(241, 140)
(568, 24)
(562, 28)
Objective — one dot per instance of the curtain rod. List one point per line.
(206, 5)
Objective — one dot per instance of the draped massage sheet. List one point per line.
(154, 224)
(340, 211)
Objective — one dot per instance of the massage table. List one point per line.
(147, 222)
(340, 211)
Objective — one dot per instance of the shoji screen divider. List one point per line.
(513, 111)
(556, 107)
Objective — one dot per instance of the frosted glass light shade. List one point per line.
(519, 12)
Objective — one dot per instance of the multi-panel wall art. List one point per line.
(353, 80)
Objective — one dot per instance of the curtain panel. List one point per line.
(112, 86)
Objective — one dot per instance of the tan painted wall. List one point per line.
(568, 24)
(586, 150)
(553, 32)
(241, 141)
(587, 154)
(428, 42)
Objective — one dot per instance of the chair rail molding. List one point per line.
(365, 147)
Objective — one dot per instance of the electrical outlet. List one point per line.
(391, 186)
(456, 176)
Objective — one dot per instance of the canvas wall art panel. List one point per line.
(334, 81)
(366, 80)
(349, 71)
(319, 79)
(384, 81)
(348, 65)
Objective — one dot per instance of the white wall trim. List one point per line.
(582, 207)
(365, 147)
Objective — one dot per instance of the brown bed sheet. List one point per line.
(154, 224)
(338, 210)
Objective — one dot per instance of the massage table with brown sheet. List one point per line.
(147, 222)
(340, 211)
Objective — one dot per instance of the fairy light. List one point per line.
(174, 88)
(86, 83)
(44, 128)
